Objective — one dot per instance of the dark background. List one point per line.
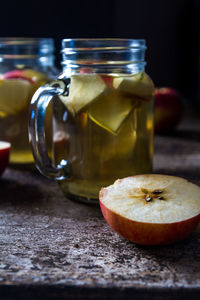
(170, 27)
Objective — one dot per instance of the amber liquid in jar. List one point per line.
(106, 132)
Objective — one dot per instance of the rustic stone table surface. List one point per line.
(53, 248)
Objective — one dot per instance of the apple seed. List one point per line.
(160, 198)
(156, 192)
(148, 198)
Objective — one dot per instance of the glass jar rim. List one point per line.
(26, 46)
(84, 44)
(106, 56)
(25, 40)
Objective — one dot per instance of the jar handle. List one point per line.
(39, 104)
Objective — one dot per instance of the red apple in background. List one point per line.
(168, 109)
(4, 155)
(151, 209)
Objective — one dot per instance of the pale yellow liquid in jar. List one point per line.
(15, 130)
(109, 138)
(15, 97)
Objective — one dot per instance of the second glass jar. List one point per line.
(25, 64)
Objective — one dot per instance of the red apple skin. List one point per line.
(108, 80)
(149, 234)
(4, 159)
(168, 109)
(18, 74)
(85, 70)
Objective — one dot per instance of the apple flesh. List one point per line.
(4, 155)
(125, 209)
(139, 85)
(16, 88)
(83, 90)
(168, 109)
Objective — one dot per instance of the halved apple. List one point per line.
(4, 155)
(151, 209)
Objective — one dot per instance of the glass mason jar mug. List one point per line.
(102, 116)
(25, 64)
